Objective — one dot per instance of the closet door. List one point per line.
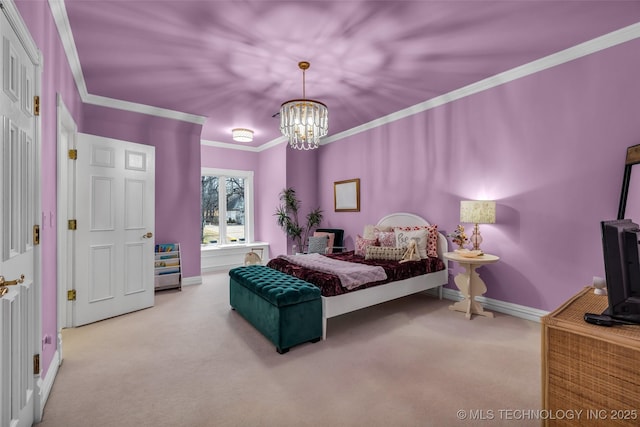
(113, 240)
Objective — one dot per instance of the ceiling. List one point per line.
(235, 62)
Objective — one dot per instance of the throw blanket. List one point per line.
(351, 274)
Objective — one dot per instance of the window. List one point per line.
(226, 194)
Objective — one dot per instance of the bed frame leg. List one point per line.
(324, 328)
(440, 291)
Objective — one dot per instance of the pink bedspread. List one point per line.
(351, 275)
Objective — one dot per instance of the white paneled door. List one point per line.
(19, 212)
(113, 240)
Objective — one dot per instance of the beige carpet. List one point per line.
(191, 361)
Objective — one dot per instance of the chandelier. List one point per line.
(304, 121)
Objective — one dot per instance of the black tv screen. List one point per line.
(620, 240)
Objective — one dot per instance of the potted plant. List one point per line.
(287, 218)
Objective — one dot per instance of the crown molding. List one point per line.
(59, 12)
(144, 109)
(578, 51)
(20, 28)
(228, 146)
(597, 44)
(575, 52)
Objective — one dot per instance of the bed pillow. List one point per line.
(432, 239)
(331, 237)
(403, 237)
(384, 253)
(386, 238)
(362, 243)
(368, 232)
(317, 244)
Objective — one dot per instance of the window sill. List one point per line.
(231, 246)
(230, 255)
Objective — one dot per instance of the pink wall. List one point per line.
(177, 172)
(549, 148)
(56, 79)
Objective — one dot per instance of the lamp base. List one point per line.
(476, 238)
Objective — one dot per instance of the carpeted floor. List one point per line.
(191, 361)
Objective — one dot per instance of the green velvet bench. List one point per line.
(285, 309)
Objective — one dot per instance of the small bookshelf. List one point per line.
(167, 268)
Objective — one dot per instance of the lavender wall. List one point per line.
(177, 172)
(56, 79)
(549, 148)
(222, 158)
(272, 178)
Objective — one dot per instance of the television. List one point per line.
(620, 241)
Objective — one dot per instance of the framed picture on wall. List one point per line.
(346, 195)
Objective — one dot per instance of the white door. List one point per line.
(19, 315)
(115, 214)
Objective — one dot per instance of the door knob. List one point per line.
(148, 235)
(4, 284)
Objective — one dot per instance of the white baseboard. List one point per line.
(490, 304)
(43, 387)
(219, 268)
(194, 280)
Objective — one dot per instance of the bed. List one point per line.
(374, 293)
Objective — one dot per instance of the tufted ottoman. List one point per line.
(285, 309)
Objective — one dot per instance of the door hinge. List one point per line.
(36, 364)
(73, 154)
(36, 235)
(72, 224)
(71, 295)
(36, 105)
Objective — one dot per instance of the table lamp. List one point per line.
(477, 212)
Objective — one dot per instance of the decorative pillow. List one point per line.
(330, 242)
(432, 239)
(384, 252)
(318, 244)
(404, 236)
(386, 238)
(377, 228)
(362, 243)
(368, 232)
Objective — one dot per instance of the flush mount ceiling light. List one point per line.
(242, 135)
(304, 121)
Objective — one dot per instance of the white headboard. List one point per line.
(406, 219)
(402, 218)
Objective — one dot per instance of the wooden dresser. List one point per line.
(590, 374)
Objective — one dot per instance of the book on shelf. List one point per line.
(167, 247)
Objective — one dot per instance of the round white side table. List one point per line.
(470, 284)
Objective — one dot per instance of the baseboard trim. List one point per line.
(43, 387)
(193, 280)
(515, 310)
